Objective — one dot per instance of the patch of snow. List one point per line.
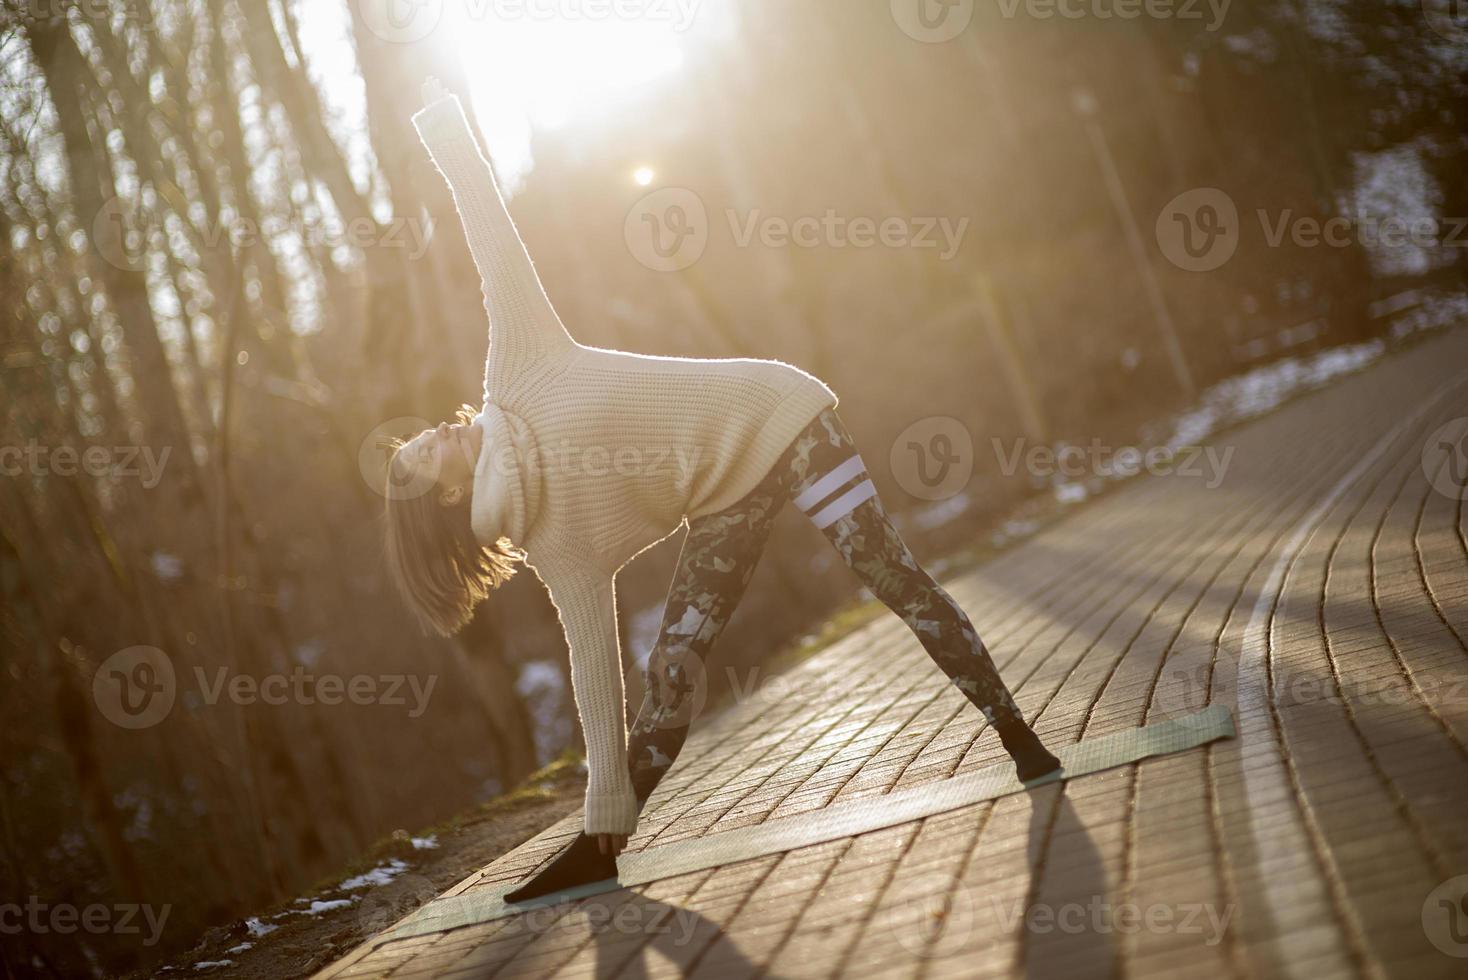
(380, 875)
(256, 928)
(1432, 313)
(318, 907)
(1013, 530)
(543, 689)
(168, 568)
(1071, 493)
(1257, 44)
(1265, 388)
(306, 654)
(940, 513)
(425, 843)
(211, 964)
(1325, 21)
(642, 631)
(1395, 202)
(240, 948)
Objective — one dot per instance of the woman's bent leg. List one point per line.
(832, 488)
(719, 557)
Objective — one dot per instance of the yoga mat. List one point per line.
(831, 823)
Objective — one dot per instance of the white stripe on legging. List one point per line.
(844, 504)
(823, 487)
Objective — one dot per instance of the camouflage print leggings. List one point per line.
(824, 475)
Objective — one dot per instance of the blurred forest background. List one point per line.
(164, 163)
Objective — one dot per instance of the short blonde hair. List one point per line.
(436, 562)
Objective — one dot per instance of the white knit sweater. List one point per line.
(591, 456)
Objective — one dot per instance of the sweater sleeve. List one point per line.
(523, 326)
(586, 600)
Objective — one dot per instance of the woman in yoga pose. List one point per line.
(582, 457)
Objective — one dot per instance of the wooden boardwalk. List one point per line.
(1322, 588)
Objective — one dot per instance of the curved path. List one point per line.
(1321, 589)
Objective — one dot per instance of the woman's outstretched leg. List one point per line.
(832, 488)
(718, 558)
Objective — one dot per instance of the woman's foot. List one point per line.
(1031, 759)
(581, 863)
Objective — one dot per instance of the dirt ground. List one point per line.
(396, 876)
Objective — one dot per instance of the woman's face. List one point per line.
(448, 454)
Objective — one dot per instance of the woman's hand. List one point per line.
(433, 90)
(611, 843)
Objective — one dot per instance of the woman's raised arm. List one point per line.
(523, 326)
